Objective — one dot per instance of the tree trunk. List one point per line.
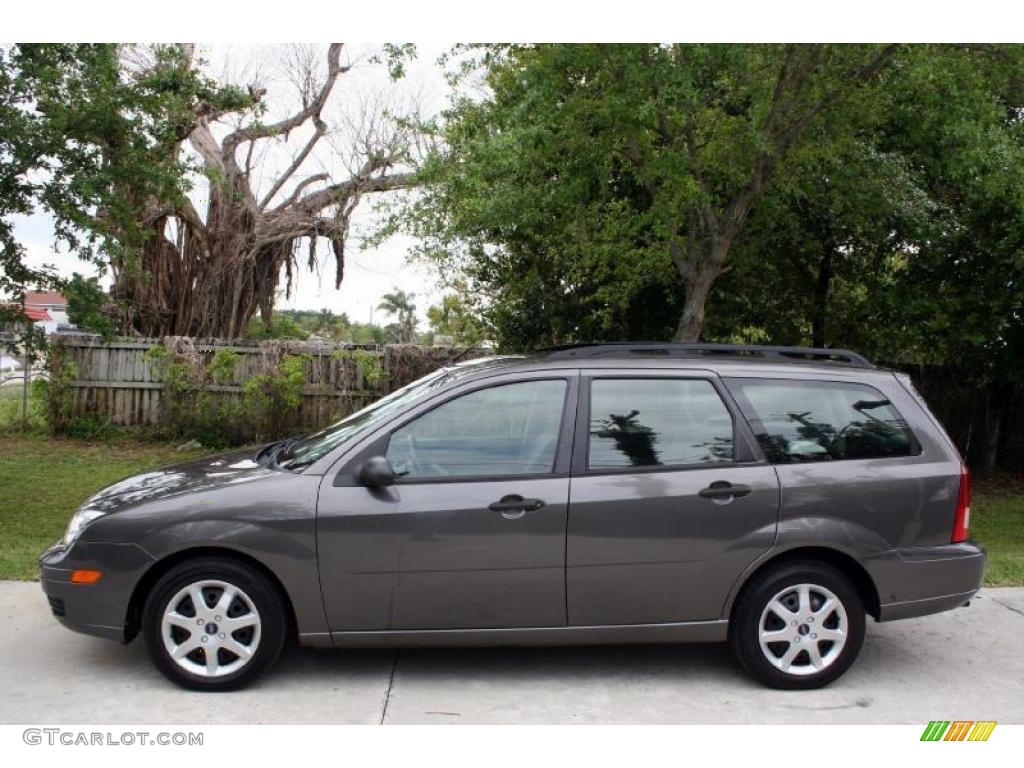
(821, 291)
(703, 265)
(691, 322)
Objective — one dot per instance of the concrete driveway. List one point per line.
(967, 664)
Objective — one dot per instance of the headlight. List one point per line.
(79, 520)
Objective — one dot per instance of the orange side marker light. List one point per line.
(86, 576)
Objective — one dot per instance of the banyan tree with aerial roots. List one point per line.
(206, 274)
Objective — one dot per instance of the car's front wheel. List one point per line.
(214, 624)
(798, 626)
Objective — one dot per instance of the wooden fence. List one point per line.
(121, 383)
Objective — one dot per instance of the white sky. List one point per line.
(369, 273)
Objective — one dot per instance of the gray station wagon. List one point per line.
(772, 497)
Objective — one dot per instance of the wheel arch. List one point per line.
(133, 616)
(844, 563)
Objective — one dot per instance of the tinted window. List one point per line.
(657, 422)
(821, 420)
(506, 430)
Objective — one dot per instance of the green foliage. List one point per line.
(109, 139)
(564, 203)
(88, 306)
(399, 304)
(907, 243)
(95, 143)
(58, 391)
(12, 419)
(369, 367)
(20, 145)
(223, 365)
(271, 400)
(282, 326)
(455, 317)
(595, 182)
(192, 406)
(395, 56)
(366, 333)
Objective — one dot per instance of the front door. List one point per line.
(668, 505)
(472, 534)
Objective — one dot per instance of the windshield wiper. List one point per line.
(283, 451)
(269, 453)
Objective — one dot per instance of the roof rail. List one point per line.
(759, 352)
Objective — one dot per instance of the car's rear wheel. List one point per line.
(214, 624)
(798, 626)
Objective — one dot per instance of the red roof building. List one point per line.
(35, 314)
(45, 299)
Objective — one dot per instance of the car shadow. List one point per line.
(689, 663)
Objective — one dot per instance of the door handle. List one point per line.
(514, 506)
(723, 492)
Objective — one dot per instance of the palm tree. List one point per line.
(399, 303)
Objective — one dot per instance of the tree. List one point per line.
(453, 317)
(178, 270)
(633, 166)
(399, 304)
(23, 141)
(281, 326)
(905, 244)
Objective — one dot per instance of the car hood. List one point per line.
(199, 476)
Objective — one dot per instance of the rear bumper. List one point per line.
(98, 609)
(919, 581)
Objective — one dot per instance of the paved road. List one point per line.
(966, 664)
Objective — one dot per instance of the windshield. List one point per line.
(303, 452)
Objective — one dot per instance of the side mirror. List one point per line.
(376, 472)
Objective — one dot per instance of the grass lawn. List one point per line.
(43, 480)
(997, 522)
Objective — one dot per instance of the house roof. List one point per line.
(45, 298)
(35, 314)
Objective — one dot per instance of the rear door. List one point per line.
(669, 500)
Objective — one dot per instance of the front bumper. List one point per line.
(99, 609)
(918, 581)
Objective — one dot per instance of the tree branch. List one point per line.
(313, 109)
(321, 129)
(317, 177)
(356, 185)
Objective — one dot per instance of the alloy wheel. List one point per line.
(803, 629)
(211, 628)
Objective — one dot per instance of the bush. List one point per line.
(265, 409)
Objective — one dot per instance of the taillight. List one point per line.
(962, 521)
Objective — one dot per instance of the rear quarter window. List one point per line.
(801, 421)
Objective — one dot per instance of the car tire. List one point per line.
(235, 637)
(798, 626)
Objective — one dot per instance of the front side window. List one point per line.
(511, 429)
(797, 421)
(657, 422)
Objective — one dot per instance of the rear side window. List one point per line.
(797, 421)
(657, 422)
